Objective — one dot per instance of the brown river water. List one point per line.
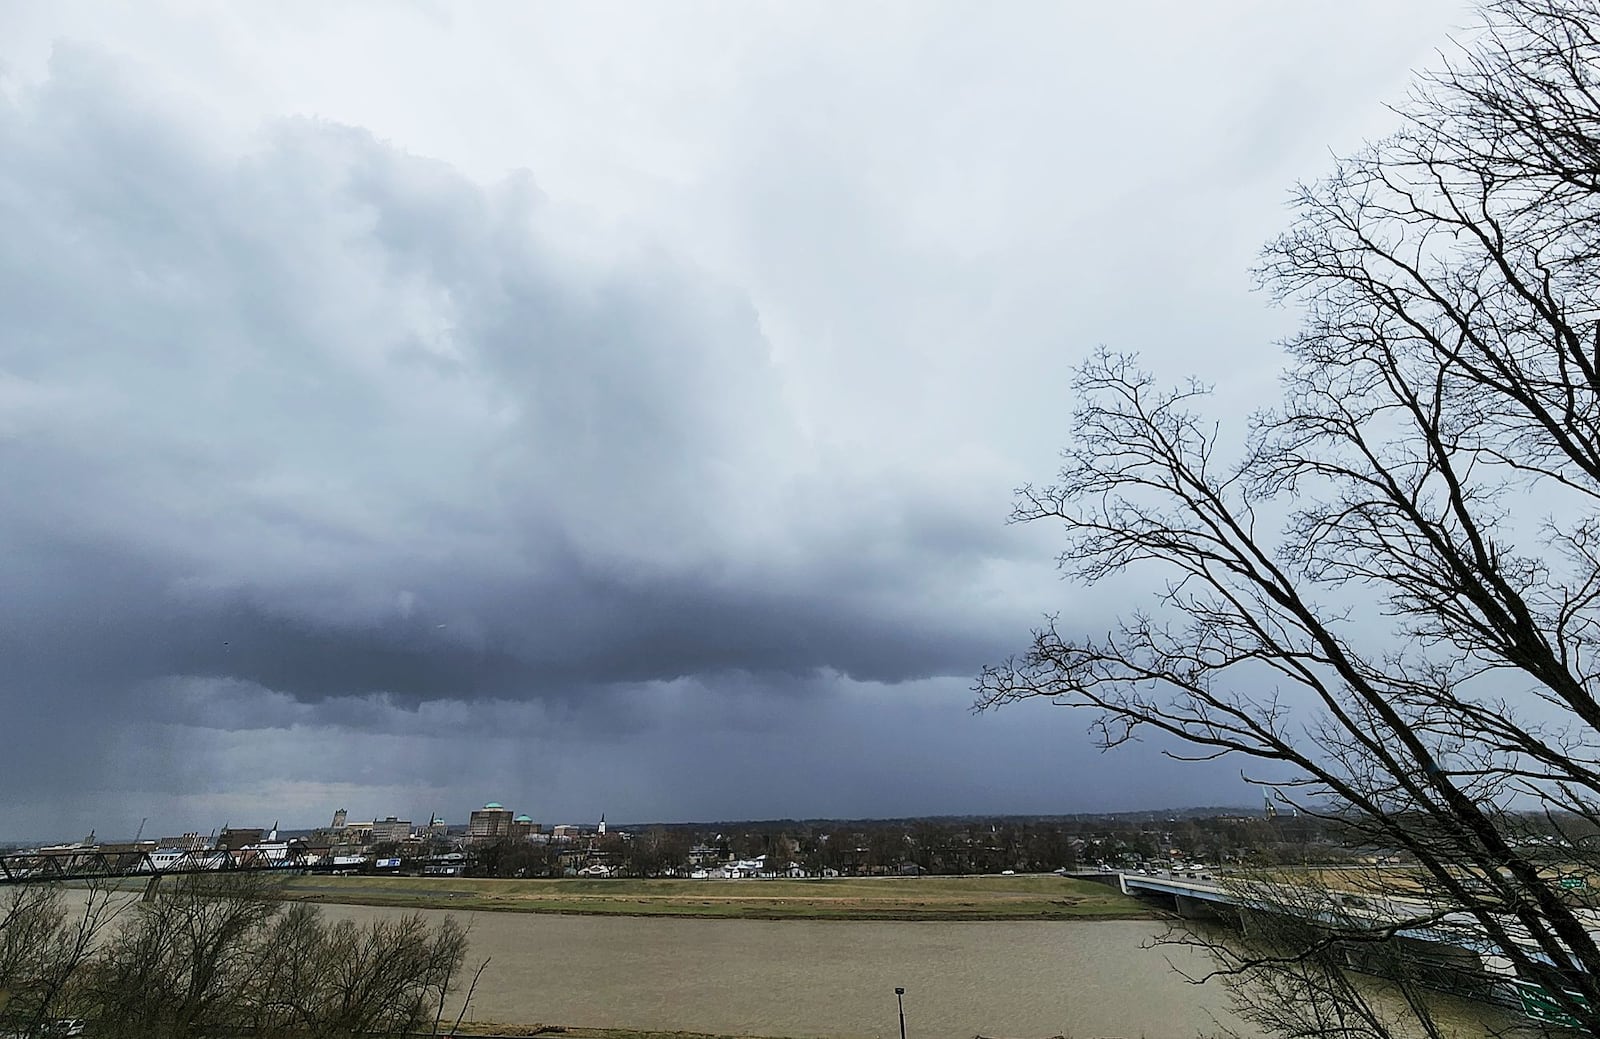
(807, 978)
(837, 978)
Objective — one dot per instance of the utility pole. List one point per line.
(900, 998)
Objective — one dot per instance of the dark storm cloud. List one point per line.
(561, 638)
(668, 478)
(336, 421)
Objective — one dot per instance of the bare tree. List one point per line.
(383, 979)
(186, 963)
(43, 944)
(221, 954)
(1390, 596)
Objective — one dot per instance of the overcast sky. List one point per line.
(603, 408)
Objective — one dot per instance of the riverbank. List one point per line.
(877, 898)
(493, 1030)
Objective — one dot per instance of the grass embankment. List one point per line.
(879, 898)
(489, 1028)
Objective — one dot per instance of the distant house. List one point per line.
(450, 864)
(712, 853)
(744, 867)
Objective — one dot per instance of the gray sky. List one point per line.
(603, 408)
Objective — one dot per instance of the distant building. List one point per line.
(339, 818)
(437, 827)
(522, 827)
(390, 830)
(710, 854)
(492, 822)
(234, 840)
(565, 832)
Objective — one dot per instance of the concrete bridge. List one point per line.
(1448, 948)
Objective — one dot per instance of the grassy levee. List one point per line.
(885, 898)
(492, 1029)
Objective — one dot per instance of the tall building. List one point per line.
(523, 827)
(339, 819)
(492, 822)
(390, 829)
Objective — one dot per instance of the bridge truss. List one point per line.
(41, 867)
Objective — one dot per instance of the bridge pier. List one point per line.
(1444, 957)
(1449, 968)
(1191, 908)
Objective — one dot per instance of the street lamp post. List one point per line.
(900, 998)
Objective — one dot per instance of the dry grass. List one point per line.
(491, 1028)
(886, 898)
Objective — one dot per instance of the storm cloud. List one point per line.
(339, 470)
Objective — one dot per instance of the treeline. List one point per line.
(216, 955)
(932, 846)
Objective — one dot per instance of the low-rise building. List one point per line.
(237, 839)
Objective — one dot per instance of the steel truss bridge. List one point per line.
(55, 865)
